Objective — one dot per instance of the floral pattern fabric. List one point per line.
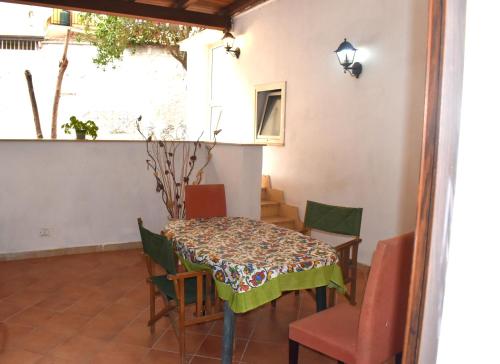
(245, 253)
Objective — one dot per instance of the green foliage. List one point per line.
(86, 128)
(112, 35)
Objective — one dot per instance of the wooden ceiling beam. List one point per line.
(239, 6)
(137, 10)
(181, 4)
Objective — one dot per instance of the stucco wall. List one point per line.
(89, 193)
(150, 83)
(352, 142)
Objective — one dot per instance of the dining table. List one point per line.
(254, 263)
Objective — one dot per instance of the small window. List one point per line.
(270, 114)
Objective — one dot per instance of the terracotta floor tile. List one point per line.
(78, 348)
(161, 357)
(12, 286)
(31, 317)
(66, 323)
(266, 353)
(204, 328)
(205, 360)
(48, 284)
(26, 298)
(41, 341)
(87, 306)
(169, 342)
(12, 335)
(120, 353)
(106, 294)
(135, 298)
(56, 302)
(49, 359)
(8, 309)
(102, 328)
(93, 308)
(212, 347)
(18, 357)
(307, 355)
(120, 313)
(244, 328)
(138, 333)
(271, 331)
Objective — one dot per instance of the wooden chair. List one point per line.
(374, 333)
(177, 289)
(344, 221)
(204, 201)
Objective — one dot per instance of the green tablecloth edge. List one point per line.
(330, 276)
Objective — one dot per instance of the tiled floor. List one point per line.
(93, 308)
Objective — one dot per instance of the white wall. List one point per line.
(89, 193)
(352, 142)
(150, 83)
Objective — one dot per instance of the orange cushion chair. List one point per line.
(204, 201)
(373, 333)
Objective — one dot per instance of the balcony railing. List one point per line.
(66, 18)
(19, 43)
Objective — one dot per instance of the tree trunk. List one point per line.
(63, 64)
(34, 106)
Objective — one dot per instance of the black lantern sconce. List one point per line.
(346, 53)
(228, 39)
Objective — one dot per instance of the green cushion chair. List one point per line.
(344, 221)
(177, 288)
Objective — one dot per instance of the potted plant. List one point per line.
(81, 128)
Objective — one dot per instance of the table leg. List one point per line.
(320, 298)
(227, 339)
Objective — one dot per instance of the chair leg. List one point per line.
(332, 297)
(182, 341)
(293, 352)
(399, 358)
(152, 308)
(352, 296)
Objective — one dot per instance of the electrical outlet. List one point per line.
(44, 232)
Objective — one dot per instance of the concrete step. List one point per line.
(281, 221)
(269, 208)
(269, 203)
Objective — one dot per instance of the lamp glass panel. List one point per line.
(228, 40)
(346, 57)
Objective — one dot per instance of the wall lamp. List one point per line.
(345, 54)
(228, 38)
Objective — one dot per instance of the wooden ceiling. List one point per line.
(215, 14)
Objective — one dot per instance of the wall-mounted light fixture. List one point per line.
(228, 39)
(346, 53)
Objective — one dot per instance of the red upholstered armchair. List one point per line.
(204, 201)
(373, 333)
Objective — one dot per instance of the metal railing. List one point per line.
(24, 44)
(66, 18)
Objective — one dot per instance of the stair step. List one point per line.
(280, 221)
(268, 203)
(277, 220)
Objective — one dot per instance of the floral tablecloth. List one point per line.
(246, 255)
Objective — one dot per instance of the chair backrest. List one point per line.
(204, 201)
(333, 219)
(158, 248)
(383, 312)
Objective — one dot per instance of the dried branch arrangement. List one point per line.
(175, 164)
